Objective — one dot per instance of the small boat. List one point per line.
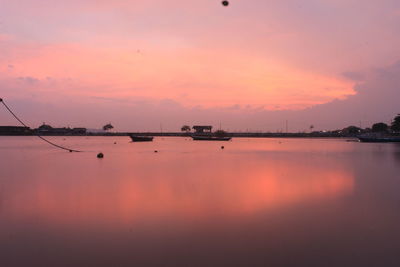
(136, 138)
(211, 138)
(371, 139)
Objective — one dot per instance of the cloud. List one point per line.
(355, 76)
(190, 76)
(250, 65)
(376, 100)
(28, 80)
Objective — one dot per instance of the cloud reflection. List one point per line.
(174, 186)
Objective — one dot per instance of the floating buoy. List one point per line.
(100, 155)
(225, 3)
(222, 147)
(155, 151)
(115, 143)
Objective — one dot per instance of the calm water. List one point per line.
(258, 202)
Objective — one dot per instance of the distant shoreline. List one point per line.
(179, 134)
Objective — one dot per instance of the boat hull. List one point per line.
(379, 139)
(136, 138)
(211, 138)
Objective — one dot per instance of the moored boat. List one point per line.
(372, 139)
(136, 138)
(211, 138)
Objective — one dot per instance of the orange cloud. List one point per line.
(178, 71)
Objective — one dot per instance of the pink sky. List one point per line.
(252, 65)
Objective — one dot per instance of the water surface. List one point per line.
(258, 202)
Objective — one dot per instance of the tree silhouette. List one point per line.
(351, 130)
(380, 127)
(108, 127)
(396, 124)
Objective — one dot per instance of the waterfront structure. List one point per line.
(202, 129)
(46, 129)
(15, 130)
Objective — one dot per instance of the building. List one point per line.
(78, 131)
(202, 129)
(15, 130)
(45, 129)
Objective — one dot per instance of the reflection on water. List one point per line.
(143, 187)
(294, 187)
(148, 192)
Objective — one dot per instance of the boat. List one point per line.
(388, 139)
(136, 138)
(210, 138)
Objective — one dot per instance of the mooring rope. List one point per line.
(44, 139)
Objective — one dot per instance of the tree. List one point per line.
(108, 127)
(185, 128)
(380, 127)
(352, 130)
(396, 124)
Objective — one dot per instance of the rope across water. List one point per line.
(44, 139)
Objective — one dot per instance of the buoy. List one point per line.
(155, 151)
(70, 151)
(225, 3)
(115, 143)
(222, 147)
(100, 155)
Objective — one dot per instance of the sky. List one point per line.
(152, 65)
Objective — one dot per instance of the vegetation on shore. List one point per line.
(350, 131)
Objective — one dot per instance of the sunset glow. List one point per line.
(189, 76)
(199, 133)
(200, 56)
